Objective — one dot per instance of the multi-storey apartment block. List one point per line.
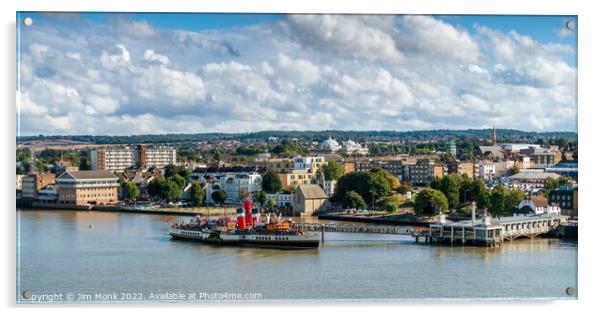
(118, 159)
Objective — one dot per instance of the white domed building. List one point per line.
(350, 147)
(330, 145)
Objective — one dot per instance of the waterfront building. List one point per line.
(538, 205)
(121, 158)
(234, 184)
(329, 187)
(87, 187)
(48, 194)
(308, 199)
(31, 183)
(283, 200)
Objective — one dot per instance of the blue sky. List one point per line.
(153, 73)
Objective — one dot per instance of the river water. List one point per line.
(99, 257)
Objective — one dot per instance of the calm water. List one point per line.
(99, 253)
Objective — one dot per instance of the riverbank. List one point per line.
(180, 211)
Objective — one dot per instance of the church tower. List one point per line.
(493, 140)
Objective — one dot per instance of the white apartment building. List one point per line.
(113, 159)
(486, 170)
(235, 183)
(121, 158)
(282, 199)
(310, 164)
(329, 187)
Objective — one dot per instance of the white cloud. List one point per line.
(310, 72)
(347, 35)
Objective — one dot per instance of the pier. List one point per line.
(487, 231)
(491, 232)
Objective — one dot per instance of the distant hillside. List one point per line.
(502, 135)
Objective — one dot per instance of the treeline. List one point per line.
(502, 135)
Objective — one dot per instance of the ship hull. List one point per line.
(249, 240)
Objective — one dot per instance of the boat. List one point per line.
(250, 230)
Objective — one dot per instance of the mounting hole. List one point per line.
(26, 294)
(27, 21)
(569, 291)
(570, 25)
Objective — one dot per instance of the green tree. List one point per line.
(484, 199)
(430, 202)
(219, 196)
(170, 171)
(130, 190)
(179, 180)
(271, 183)
(174, 190)
(405, 187)
(158, 188)
(550, 184)
(270, 204)
(450, 186)
(260, 197)
(565, 180)
(499, 194)
(353, 200)
(513, 199)
(515, 169)
(371, 186)
(84, 162)
(218, 155)
(197, 194)
(332, 170)
(184, 172)
(390, 207)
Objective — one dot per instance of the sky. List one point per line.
(149, 73)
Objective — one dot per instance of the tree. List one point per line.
(271, 182)
(218, 155)
(197, 194)
(404, 187)
(513, 199)
(130, 190)
(179, 180)
(484, 199)
(333, 170)
(550, 184)
(271, 203)
(430, 202)
(353, 200)
(390, 207)
(498, 200)
(174, 191)
(371, 186)
(158, 188)
(515, 169)
(565, 180)
(450, 186)
(184, 172)
(84, 162)
(260, 197)
(219, 196)
(170, 171)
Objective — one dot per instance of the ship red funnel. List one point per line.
(248, 205)
(240, 219)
